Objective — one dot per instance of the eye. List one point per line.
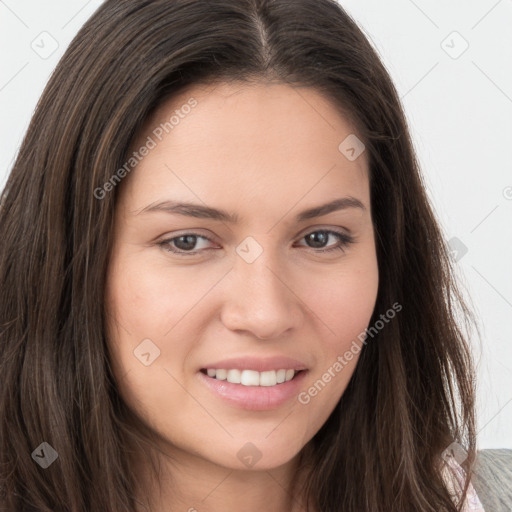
(189, 244)
(184, 244)
(320, 238)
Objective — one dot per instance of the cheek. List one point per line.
(143, 309)
(343, 302)
(151, 300)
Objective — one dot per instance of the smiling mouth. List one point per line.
(252, 378)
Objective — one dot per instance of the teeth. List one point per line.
(289, 375)
(269, 378)
(234, 376)
(252, 377)
(219, 374)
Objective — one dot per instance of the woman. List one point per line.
(223, 284)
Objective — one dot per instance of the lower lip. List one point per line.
(255, 398)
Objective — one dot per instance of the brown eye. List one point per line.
(186, 244)
(319, 238)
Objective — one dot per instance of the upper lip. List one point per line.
(258, 364)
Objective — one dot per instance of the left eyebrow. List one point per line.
(207, 212)
(336, 205)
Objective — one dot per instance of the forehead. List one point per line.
(262, 140)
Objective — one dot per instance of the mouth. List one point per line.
(252, 378)
(252, 390)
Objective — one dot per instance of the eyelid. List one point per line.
(345, 238)
(302, 233)
(322, 227)
(183, 232)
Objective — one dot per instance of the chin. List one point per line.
(255, 454)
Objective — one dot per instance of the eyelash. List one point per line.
(344, 239)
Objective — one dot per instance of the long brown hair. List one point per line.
(412, 392)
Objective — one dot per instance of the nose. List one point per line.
(259, 299)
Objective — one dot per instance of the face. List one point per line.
(214, 303)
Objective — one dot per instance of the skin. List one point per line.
(266, 152)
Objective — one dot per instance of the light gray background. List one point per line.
(459, 105)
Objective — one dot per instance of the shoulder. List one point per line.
(455, 479)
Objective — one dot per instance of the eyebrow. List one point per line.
(206, 212)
